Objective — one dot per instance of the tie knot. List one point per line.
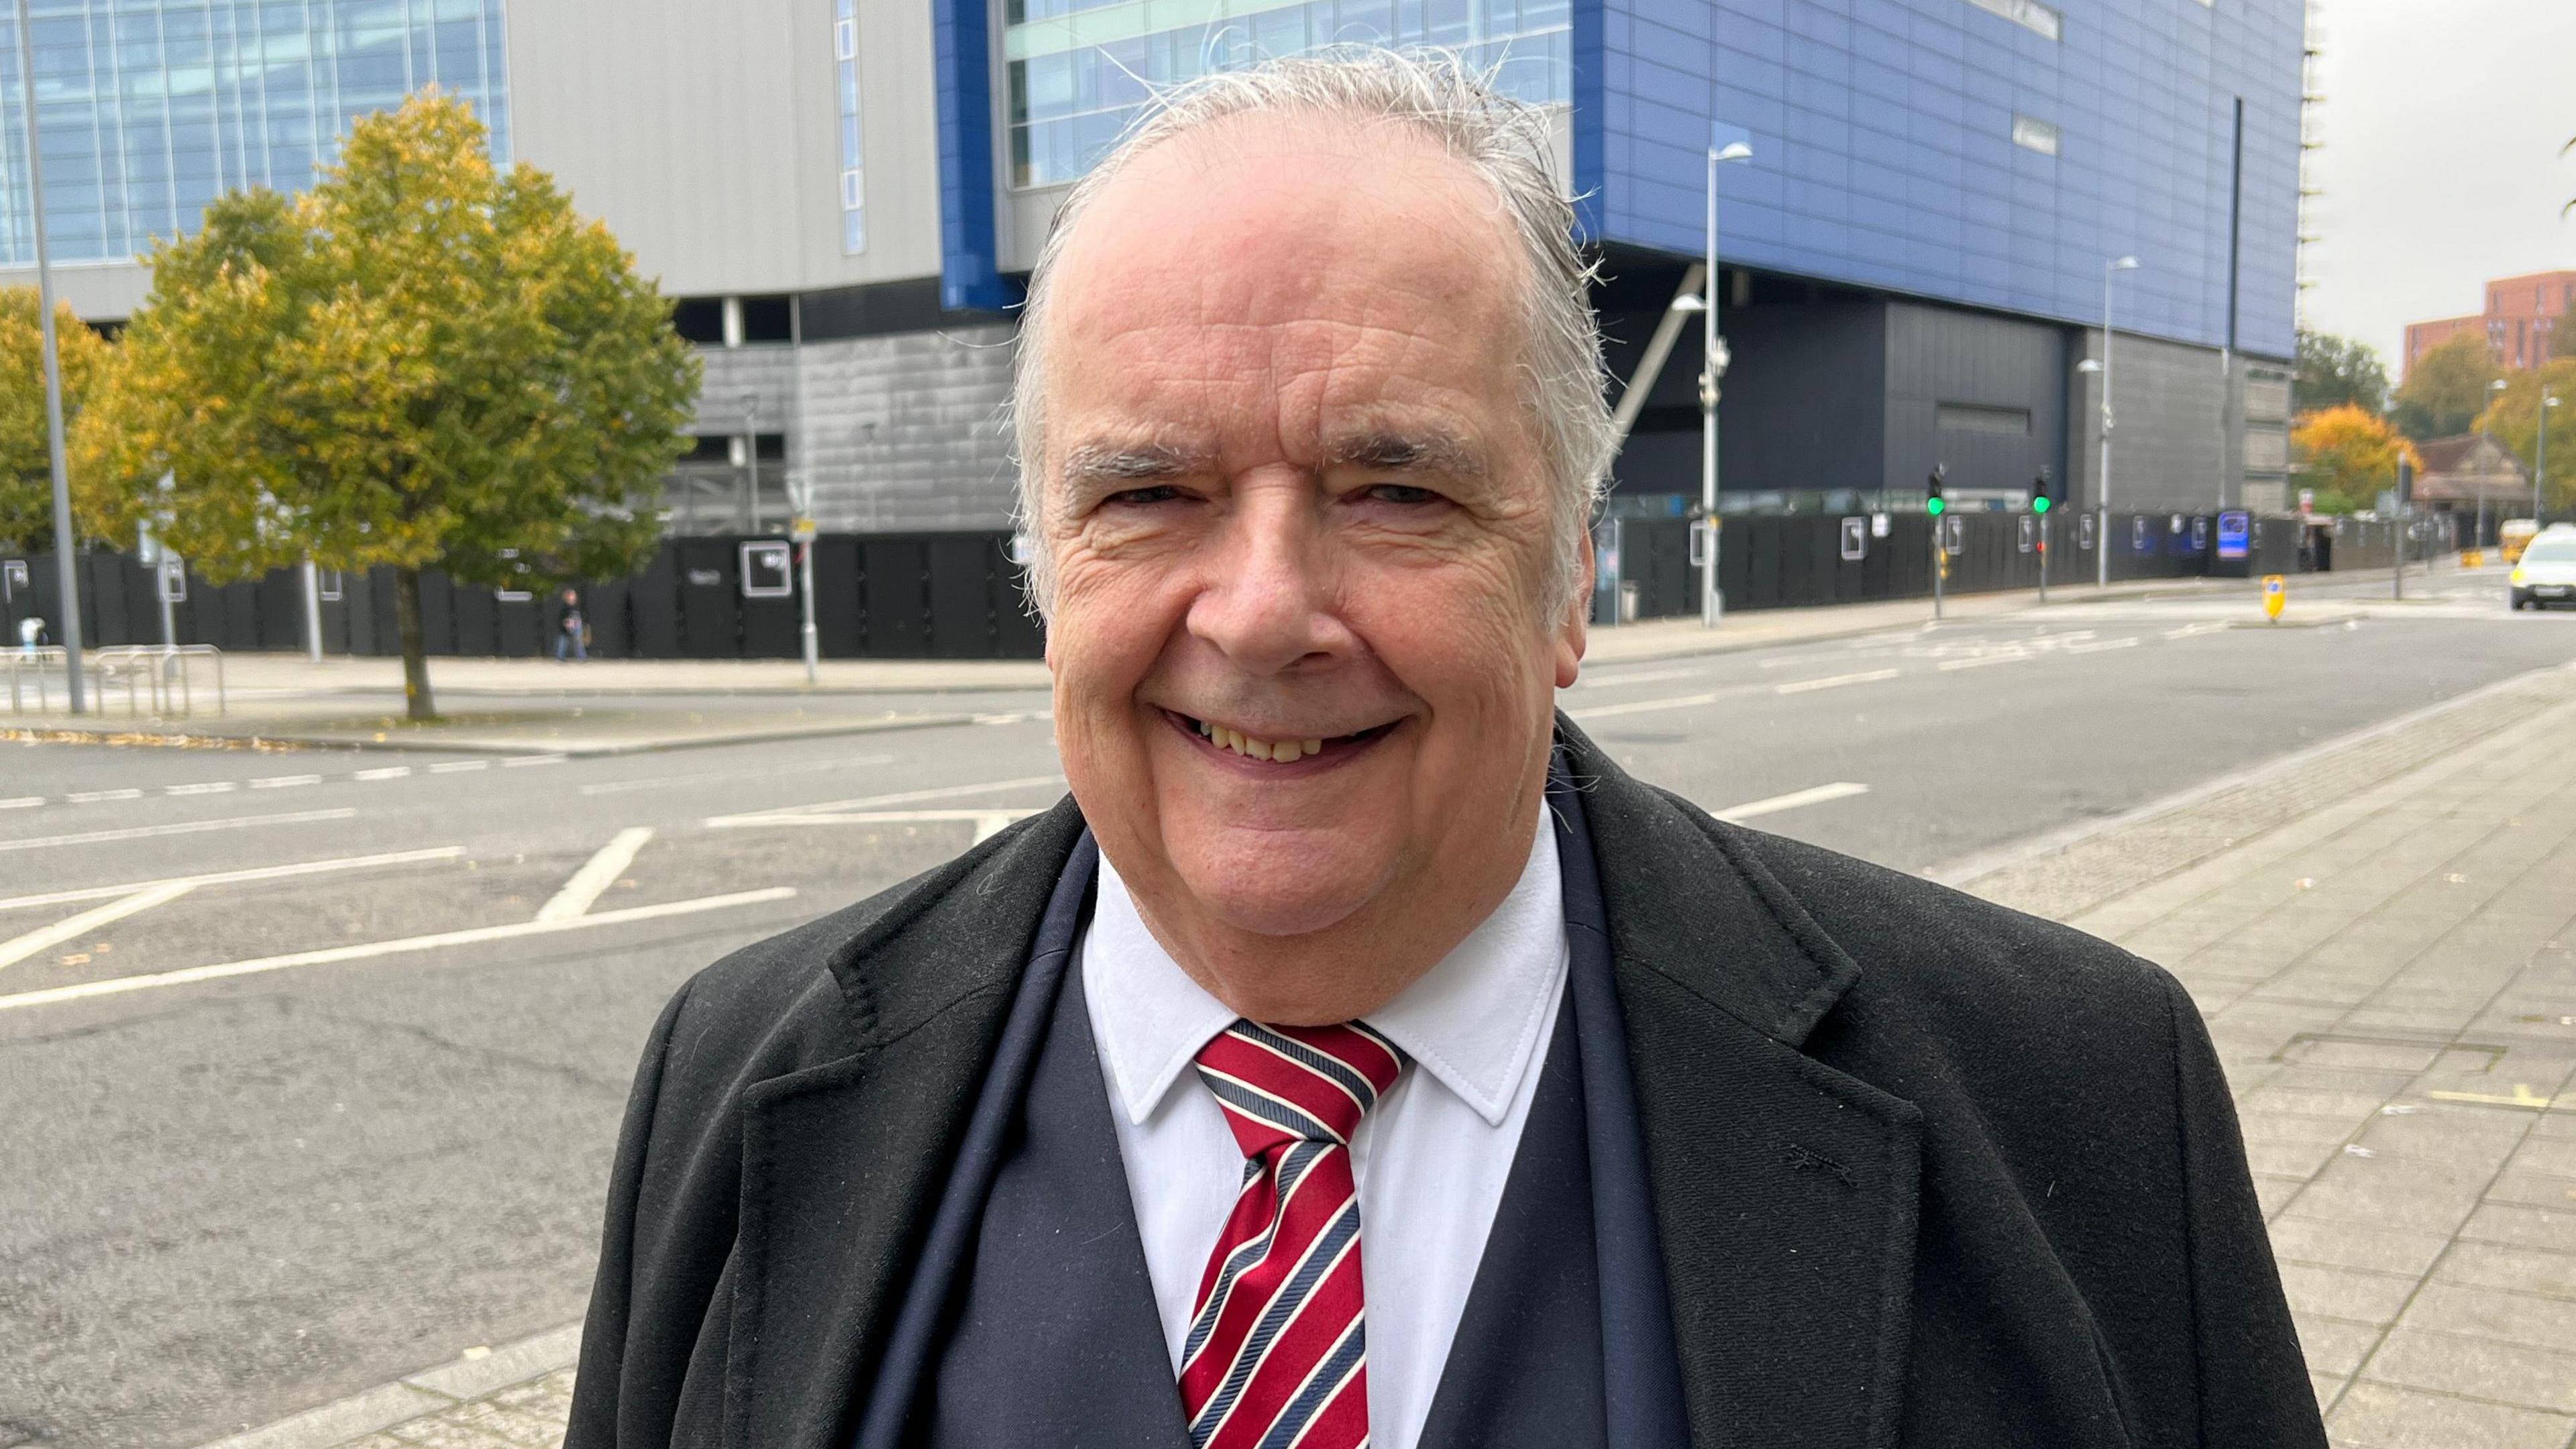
(1284, 1084)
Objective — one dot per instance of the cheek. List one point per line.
(1464, 635)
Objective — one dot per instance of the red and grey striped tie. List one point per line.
(1278, 1351)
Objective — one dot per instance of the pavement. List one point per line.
(310, 1064)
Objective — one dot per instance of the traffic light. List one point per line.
(1933, 503)
(2040, 502)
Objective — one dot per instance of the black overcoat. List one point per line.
(1925, 1171)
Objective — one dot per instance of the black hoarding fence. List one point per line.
(1780, 561)
(910, 596)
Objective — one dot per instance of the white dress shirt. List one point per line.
(1430, 1161)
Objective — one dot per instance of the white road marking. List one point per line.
(210, 787)
(373, 950)
(389, 772)
(458, 767)
(92, 797)
(1642, 706)
(282, 782)
(1650, 676)
(1816, 795)
(987, 822)
(72, 928)
(903, 797)
(229, 877)
(2097, 646)
(1980, 661)
(183, 827)
(1834, 681)
(598, 875)
(2216, 626)
(621, 787)
(23, 802)
(523, 761)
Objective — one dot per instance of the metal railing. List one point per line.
(157, 680)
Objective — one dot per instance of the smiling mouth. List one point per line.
(1283, 752)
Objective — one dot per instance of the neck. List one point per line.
(1361, 962)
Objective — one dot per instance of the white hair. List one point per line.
(1506, 143)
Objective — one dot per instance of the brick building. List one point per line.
(2522, 314)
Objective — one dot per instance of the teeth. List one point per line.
(1279, 751)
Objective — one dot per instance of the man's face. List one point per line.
(1293, 495)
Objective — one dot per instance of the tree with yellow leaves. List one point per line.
(26, 460)
(2514, 420)
(418, 364)
(2348, 455)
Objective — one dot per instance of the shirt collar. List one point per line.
(1472, 1021)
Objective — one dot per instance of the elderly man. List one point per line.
(1358, 1056)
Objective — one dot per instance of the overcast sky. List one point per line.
(2442, 124)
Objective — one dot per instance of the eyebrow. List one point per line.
(1098, 464)
(1428, 451)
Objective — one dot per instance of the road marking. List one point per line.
(2522, 1096)
(598, 875)
(23, 802)
(72, 928)
(389, 772)
(904, 797)
(374, 950)
(229, 877)
(1834, 681)
(1642, 706)
(988, 823)
(1982, 660)
(523, 761)
(1649, 676)
(2188, 630)
(1816, 795)
(2098, 645)
(809, 767)
(92, 797)
(210, 787)
(282, 782)
(458, 767)
(184, 827)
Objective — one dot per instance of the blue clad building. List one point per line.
(847, 193)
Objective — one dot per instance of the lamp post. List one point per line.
(2539, 460)
(2495, 389)
(2102, 490)
(1712, 604)
(66, 570)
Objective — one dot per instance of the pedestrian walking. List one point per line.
(572, 635)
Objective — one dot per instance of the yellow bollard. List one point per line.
(2275, 594)
(2473, 558)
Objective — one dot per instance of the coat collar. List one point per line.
(1784, 1191)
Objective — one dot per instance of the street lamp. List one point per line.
(2102, 491)
(1712, 604)
(66, 570)
(2495, 389)
(2540, 455)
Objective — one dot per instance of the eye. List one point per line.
(1158, 493)
(1400, 493)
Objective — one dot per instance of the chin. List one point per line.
(1275, 888)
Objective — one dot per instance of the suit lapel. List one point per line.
(1785, 1191)
(843, 1162)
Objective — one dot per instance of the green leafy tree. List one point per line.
(2514, 420)
(2347, 455)
(417, 364)
(2335, 370)
(26, 459)
(2446, 389)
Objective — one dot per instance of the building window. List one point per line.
(2032, 134)
(2030, 15)
(1080, 69)
(150, 109)
(845, 55)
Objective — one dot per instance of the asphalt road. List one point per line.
(381, 1139)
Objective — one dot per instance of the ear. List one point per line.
(1574, 630)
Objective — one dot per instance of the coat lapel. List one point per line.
(1785, 1191)
(843, 1162)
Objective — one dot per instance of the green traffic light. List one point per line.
(2039, 504)
(1934, 506)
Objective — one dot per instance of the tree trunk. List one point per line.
(415, 648)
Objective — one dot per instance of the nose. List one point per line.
(1268, 603)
